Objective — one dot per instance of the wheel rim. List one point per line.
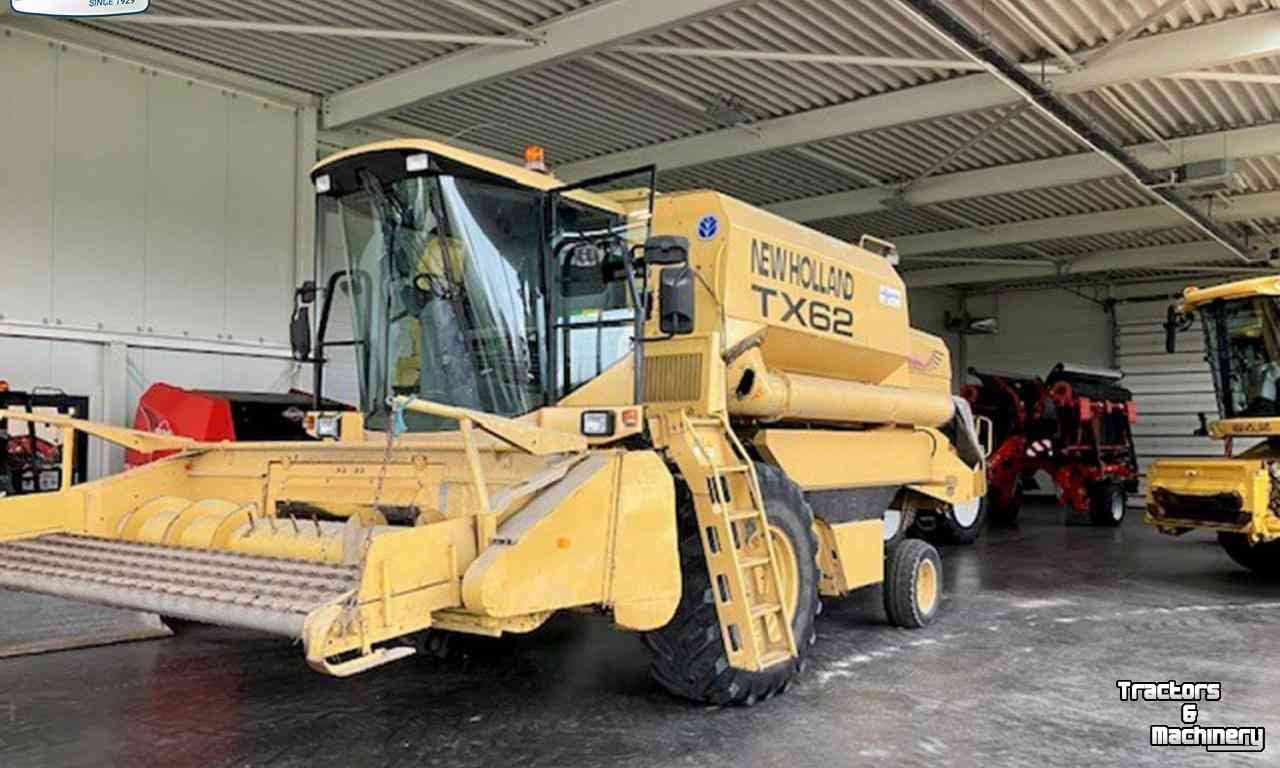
(966, 513)
(892, 523)
(926, 586)
(788, 570)
(1117, 507)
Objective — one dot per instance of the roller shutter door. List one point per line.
(1169, 389)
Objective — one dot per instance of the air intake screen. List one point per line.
(673, 378)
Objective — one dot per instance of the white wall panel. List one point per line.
(186, 207)
(138, 202)
(26, 363)
(260, 222)
(929, 309)
(1038, 330)
(99, 205)
(27, 76)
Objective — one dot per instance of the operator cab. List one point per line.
(1241, 323)
(478, 284)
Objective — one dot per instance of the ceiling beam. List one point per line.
(1154, 257)
(1160, 11)
(320, 30)
(1242, 208)
(1243, 143)
(935, 15)
(1200, 47)
(591, 29)
(1227, 77)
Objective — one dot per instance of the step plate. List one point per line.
(213, 587)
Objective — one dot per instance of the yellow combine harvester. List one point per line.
(1236, 496)
(700, 470)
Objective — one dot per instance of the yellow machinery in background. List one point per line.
(1237, 496)
(677, 410)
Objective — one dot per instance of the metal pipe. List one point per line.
(773, 395)
(741, 54)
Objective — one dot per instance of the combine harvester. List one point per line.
(700, 471)
(1237, 496)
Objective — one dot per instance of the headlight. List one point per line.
(323, 184)
(329, 426)
(597, 423)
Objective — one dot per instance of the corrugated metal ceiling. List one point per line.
(614, 100)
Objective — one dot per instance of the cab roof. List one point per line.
(544, 182)
(1194, 297)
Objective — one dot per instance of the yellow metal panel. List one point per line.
(825, 459)
(1244, 428)
(645, 579)
(1240, 289)
(552, 553)
(854, 554)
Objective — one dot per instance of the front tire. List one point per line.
(1107, 505)
(687, 655)
(912, 584)
(1263, 559)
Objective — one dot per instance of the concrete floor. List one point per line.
(1020, 669)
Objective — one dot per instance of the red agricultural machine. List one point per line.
(1074, 425)
(214, 417)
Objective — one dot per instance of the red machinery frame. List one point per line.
(1076, 426)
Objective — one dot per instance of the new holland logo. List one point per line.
(708, 228)
(79, 7)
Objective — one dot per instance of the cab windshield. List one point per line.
(458, 296)
(1242, 341)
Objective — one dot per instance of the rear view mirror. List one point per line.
(300, 332)
(300, 324)
(1175, 322)
(666, 250)
(675, 295)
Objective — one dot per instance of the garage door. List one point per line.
(1170, 389)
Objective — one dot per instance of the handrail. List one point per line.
(145, 442)
(529, 438)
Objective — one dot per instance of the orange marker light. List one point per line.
(535, 158)
(562, 543)
(630, 417)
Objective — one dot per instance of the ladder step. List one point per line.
(764, 609)
(706, 423)
(742, 514)
(732, 469)
(753, 562)
(777, 657)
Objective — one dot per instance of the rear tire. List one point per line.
(1262, 559)
(1107, 505)
(912, 584)
(687, 655)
